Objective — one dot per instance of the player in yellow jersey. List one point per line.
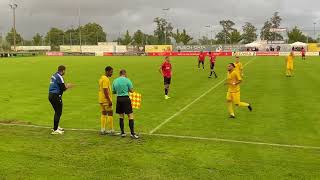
(233, 95)
(238, 66)
(105, 101)
(289, 64)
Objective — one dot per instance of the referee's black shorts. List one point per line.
(166, 80)
(124, 105)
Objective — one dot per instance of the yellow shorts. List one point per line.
(290, 66)
(234, 97)
(105, 107)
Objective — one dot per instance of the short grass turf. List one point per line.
(285, 112)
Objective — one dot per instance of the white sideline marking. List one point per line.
(187, 106)
(237, 141)
(184, 137)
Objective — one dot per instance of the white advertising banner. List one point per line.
(244, 53)
(87, 49)
(121, 49)
(32, 48)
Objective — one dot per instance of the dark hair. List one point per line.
(61, 68)
(123, 72)
(209, 52)
(108, 69)
(232, 64)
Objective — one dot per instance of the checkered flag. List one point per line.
(135, 100)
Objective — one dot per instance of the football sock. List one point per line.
(214, 74)
(103, 122)
(243, 104)
(166, 91)
(230, 108)
(131, 125)
(110, 122)
(121, 125)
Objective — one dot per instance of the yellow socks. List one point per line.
(230, 108)
(103, 122)
(110, 122)
(243, 104)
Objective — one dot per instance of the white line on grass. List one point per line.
(182, 137)
(190, 104)
(237, 141)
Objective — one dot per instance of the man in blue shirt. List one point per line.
(122, 86)
(56, 89)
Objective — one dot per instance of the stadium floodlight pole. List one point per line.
(165, 10)
(211, 33)
(314, 30)
(80, 43)
(14, 6)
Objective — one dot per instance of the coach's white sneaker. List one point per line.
(57, 132)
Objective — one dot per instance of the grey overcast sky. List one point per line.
(116, 16)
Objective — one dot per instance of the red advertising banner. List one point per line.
(267, 53)
(54, 53)
(188, 54)
(107, 54)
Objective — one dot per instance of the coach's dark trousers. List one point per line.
(56, 102)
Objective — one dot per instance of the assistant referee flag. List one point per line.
(136, 99)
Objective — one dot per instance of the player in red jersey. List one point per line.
(201, 59)
(166, 71)
(212, 63)
(303, 54)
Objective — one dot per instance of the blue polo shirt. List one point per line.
(57, 84)
(122, 86)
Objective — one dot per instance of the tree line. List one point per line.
(164, 33)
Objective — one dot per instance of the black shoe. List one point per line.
(250, 108)
(209, 77)
(216, 76)
(232, 117)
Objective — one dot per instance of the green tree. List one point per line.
(224, 36)
(204, 40)
(139, 38)
(54, 37)
(177, 36)
(249, 33)
(185, 38)
(127, 39)
(37, 39)
(10, 38)
(274, 22)
(235, 37)
(163, 30)
(71, 37)
(265, 33)
(221, 38)
(296, 35)
(151, 39)
(92, 33)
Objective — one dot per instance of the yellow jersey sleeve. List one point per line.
(105, 83)
(237, 77)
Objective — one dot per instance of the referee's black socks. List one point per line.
(166, 91)
(131, 125)
(121, 125)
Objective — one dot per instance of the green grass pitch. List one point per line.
(286, 112)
